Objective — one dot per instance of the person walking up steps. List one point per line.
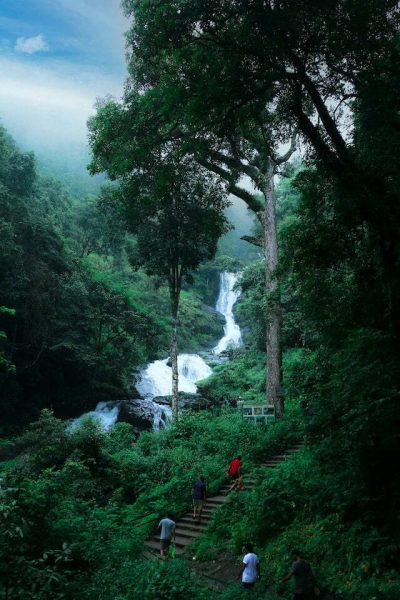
(199, 496)
(235, 467)
(250, 570)
(237, 485)
(304, 579)
(167, 527)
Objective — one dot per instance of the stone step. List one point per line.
(192, 526)
(189, 519)
(182, 531)
(207, 510)
(180, 541)
(215, 500)
(198, 527)
(188, 530)
(155, 545)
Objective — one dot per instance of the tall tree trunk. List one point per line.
(174, 294)
(261, 172)
(274, 317)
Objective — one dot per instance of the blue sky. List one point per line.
(56, 58)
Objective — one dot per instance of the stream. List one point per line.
(155, 380)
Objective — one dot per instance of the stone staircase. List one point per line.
(188, 530)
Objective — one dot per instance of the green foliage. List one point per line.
(84, 501)
(85, 315)
(5, 364)
(167, 581)
(174, 208)
(243, 378)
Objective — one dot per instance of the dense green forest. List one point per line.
(288, 110)
(86, 314)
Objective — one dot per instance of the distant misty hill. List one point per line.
(243, 224)
(68, 164)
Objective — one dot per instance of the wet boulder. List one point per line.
(186, 401)
(143, 414)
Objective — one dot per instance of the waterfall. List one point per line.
(156, 378)
(105, 414)
(162, 416)
(226, 299)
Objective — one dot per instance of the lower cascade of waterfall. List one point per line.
(162, 416)
(155, 380)
(145, 413)
(105, 414)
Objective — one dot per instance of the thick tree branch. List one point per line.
(279, 160)
(236, 163)
(311, 132)
(250, 199)
(252, 240)
(328, 122)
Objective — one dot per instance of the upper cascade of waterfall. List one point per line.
(156, 378)
(226, 299)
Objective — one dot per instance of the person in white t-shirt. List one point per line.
(250, 569)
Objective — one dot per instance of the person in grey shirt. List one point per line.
(303, 578)
(167, 527)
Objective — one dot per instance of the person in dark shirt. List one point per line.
(199, 496)
(304, 579)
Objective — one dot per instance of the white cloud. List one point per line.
(31, 45)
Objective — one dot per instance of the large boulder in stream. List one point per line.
(143, 414)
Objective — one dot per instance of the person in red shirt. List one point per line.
(235, 467)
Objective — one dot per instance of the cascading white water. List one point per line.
(156, 378)
(226, 300)
(105, 414)
(162, 416)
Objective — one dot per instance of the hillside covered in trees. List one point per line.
(253, 138)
